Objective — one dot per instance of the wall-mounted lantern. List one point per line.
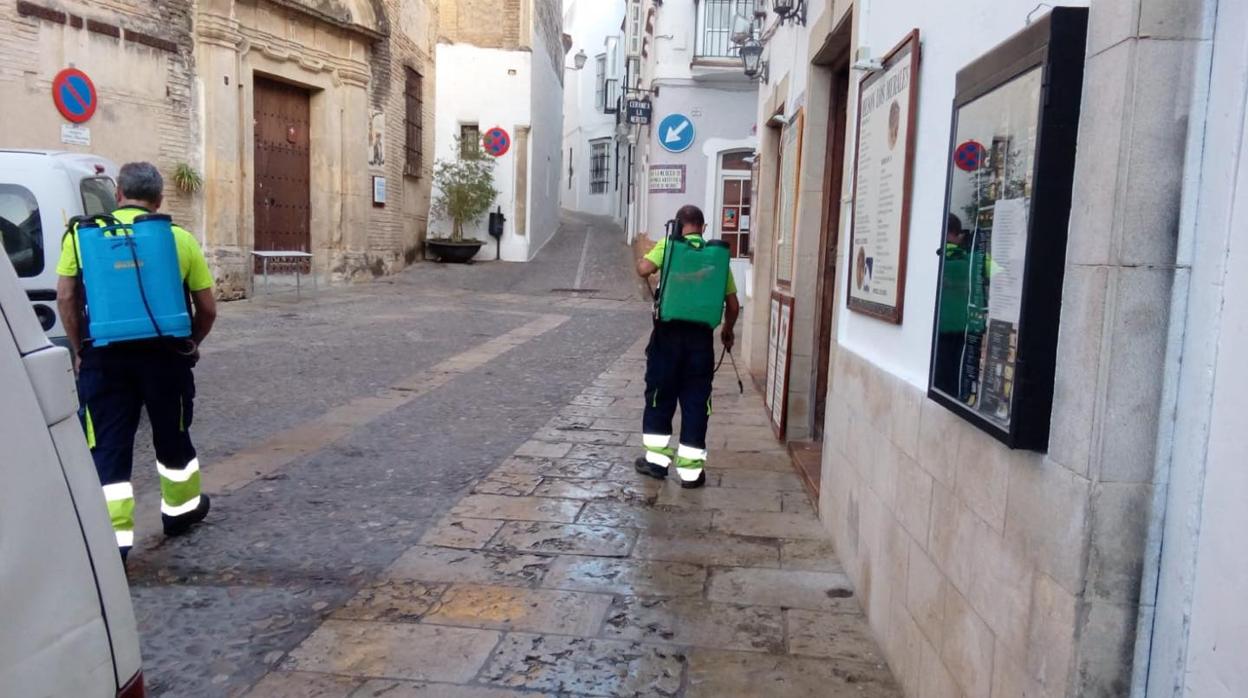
(790, 11)
(578, 61)
(752, 60)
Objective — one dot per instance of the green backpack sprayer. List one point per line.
(693, 279)
(693, 284)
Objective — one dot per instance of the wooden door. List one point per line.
(283, 155)
(832, 188)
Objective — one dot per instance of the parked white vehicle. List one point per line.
(40, 190)
(67, 627)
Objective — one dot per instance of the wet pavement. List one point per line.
(423, 486)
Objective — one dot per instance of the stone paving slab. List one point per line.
(820, 591)
(644, 577)
(460, 532)
(721, 674)
(510, 484)
(612, 490)
(708, 549)
(697, 622)
(394, 650)
(567, 539)
(770, 525)
(721, 499)
(480, 566)
(403, 689)
(586, 666)
(488, 506)
(404, 601)
(528, 610)
(555, 467)
(649, 518)
(301, 684)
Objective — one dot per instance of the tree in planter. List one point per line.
(465, 187)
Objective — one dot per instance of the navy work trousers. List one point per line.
(680, 369)
(115, 382)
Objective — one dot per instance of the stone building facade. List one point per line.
(342, 68)
(178, 84)
(140, 56)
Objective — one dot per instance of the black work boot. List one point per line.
(649, 469)
(181, 525)
(694, 484)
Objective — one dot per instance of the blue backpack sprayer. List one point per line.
(133, 281)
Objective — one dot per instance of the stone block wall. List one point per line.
(139, 54)
(969, 558)
(991, 572)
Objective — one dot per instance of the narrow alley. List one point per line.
(469, 516)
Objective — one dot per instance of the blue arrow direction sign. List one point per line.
(676, 133)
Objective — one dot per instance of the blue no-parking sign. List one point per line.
(74, 95)
(676, 133)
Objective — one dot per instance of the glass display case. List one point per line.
(1003, 247)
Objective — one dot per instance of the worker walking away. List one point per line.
(696, 292)
(135, 295)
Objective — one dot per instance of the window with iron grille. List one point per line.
(600, 82)
(469, 140)
(599, 166)
(414, 123)
(715, 23)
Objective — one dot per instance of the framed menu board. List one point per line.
(883, 170)
(1007, 208)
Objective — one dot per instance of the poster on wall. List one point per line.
(779, 342)
(787, 201)
(883, 170)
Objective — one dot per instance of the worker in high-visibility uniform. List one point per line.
(117, 380)
(680, 370)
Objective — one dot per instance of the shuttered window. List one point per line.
(414, 123)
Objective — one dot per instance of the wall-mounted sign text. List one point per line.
(667, 179)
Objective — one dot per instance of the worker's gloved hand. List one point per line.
(189, 349)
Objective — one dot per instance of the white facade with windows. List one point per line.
(689, 63)
(590, 177)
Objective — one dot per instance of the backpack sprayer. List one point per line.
(132, 278)
(692, 283)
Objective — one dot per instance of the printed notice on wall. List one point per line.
(1007, 260)
(877, 266)
(667, 179)
(75, 135)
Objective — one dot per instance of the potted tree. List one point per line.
(465, 191)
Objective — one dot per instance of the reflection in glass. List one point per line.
(984, 250)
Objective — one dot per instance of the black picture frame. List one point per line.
(1055, 44)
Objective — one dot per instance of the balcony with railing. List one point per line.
(716, 20)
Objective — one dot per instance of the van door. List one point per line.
(68, 625)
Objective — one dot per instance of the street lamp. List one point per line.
(786, 10)
(752, 59)
(578, 61)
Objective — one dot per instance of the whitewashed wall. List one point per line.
(590, 23)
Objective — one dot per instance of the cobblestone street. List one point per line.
(466, 521)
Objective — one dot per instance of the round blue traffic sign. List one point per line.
(676, 133)
(74, 95)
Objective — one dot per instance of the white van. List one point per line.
(40, 190)
(67, 627)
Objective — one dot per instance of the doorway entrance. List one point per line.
(283, 200)
(732, 217)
